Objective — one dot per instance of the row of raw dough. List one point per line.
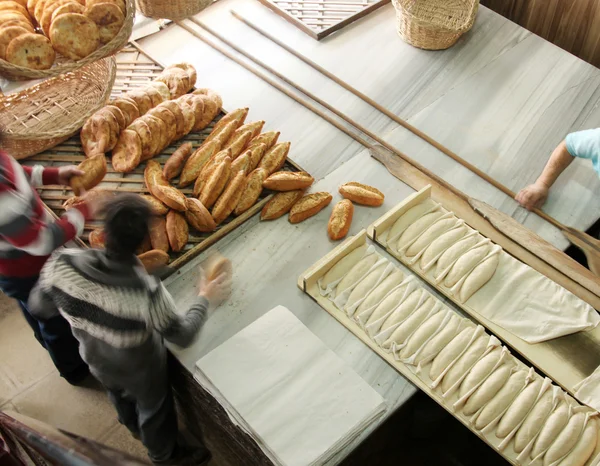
(428, 235)
(475, 376)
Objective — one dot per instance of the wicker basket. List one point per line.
(64, 65)
(434, 24)
(171, 9)
(45, 115)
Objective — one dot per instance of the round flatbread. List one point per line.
(163, 137)
(6, 16)
(31, 51)
(211, 110)
(143, 131)
(155, 96)
(154, 136)
(212, 95)
(69, 7)
(162, 89)
(113, 123)
(118, 114)
(7, 35)
(95, 135)
(197, 104)
(141, 99)
(177, 80)
(39, 9)
(127, 153)
(15, 7)
(119, 3)
(108, 17)
(189, 117)
(178, 114)
(189, 69)
(31, 6)
(23, 3)
(46, 17)
(128, 108)
(167, 117)
(18, 22)
(74, 35)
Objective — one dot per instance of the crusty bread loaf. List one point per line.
(215, 183)
(309, 205)
(157, 230)
(288, 181)
(175, 163)
(158, 208)
(171, 197)
(198, 216)
(252, 189)
(230, 197)
(208, 170)
(340, 220)
(238, 116)
(362, 194)
(154, 260)
(177, 230)
(275, 157)
(280, 204)
(94, 170)
(197, 161)
(241, 163)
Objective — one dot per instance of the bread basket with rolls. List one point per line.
(42, 116)
(46, 38)
(171, 9)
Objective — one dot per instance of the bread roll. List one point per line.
(430, 234)
(376, 296)
(480, 371)
(230, 198)
(239, 143)
(288, 181)
(409, 217)
(158, 208)
(209, 169)
(418, 227)
(454, 252)
(357, 272)
(269, 139)
(309, 205)
(127, 153)
(439, 341)
(505, 396)
(158, 234)
(362, 194)
(365, 285)
(423, 333)
(344, 265)
(252, 190)
(450, 352)
(238, 116)
(171, 197)
(518, 409)
(177, 230)
(585, 446)
(441, 244)
(534, 421)
(94, 170)
(478, 277)
(256, 154)
(406, 308)
(154, 260)
(465, 362)
(412, 322)
(242, 163)
(566, 440)
(340, 220)
(198, 216)
(174, 165)
(388, 304)
(215, 184)
(275, 157)
(255, 128)
(280, 204)
(465, 263)
(488, 389)
(556, 422)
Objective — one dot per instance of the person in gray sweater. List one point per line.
(120, 315)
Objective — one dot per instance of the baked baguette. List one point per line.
(177, 230)
(275, 157)
(230, 198)
(171, 197)
(269, 139)
(175, 164)
(158, 208)
(194, 165)
(340, 220)
(309, 205)
(242, 163)
(280, 204)
(154, 260)
(157, 230)
(198, 216)
(256, 154)
(362, 194)
(288, 181)
(255, 128)
(237, 116)
(96, 238)
(208, 169)
(94, 170)
(215, 183)
(252, 189)
(239, 143)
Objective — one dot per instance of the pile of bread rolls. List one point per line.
(32, 31)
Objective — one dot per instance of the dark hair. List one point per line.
(126, 224)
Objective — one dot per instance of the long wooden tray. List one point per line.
(308, 282)
(566, 360)
(135, 69)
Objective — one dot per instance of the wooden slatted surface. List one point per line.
(134, 69)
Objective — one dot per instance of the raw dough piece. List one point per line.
(534, 421)
(365, 285)
(555, 423)
(454, 252)
(408, 306)
(465, 263)
(478, 277)
(388, 304)
(433, 232)
(418, 227)
(441, 244)
(423, 333)
(409, 217)
(411, 323)
(356, 273)
(503, 398)
(585, 446)
(488, 389)
(440, 340)
(566, 440)
(450, 352)
(480, 371)
(389, 283)
(465, 362)
(519, 408)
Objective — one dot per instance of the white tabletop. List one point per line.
(501, 97)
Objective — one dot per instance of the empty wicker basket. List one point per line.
(434, 24)
(171, 9)
(45, 115)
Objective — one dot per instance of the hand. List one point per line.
(67, 172)
(533, 196)
(216, 290)
(93, 203)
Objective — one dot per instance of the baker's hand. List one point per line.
(217, 290)
(67, 172)
(533, 196)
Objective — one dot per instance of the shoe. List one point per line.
(187, 456)
(78, 376)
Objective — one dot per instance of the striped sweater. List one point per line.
(116, 310)
(27, 234)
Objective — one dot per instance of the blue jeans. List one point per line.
(53, 334)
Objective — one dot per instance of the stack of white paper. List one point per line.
(279, 382)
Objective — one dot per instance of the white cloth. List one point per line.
(530, 305)
(296, 397)
(588, 390)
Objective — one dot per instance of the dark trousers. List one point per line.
(53, 334)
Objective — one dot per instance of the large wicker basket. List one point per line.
(171, 9)
(434, 24)
(45, 115)
(64, 65)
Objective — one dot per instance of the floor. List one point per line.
(30, 385)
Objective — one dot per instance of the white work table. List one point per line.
(502, 98)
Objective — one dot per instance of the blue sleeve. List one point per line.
(584, 144)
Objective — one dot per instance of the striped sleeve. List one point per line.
(40, 303)
(175, 328)
(23, 220)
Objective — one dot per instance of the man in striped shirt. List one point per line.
(120, 315)
(27, 237)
